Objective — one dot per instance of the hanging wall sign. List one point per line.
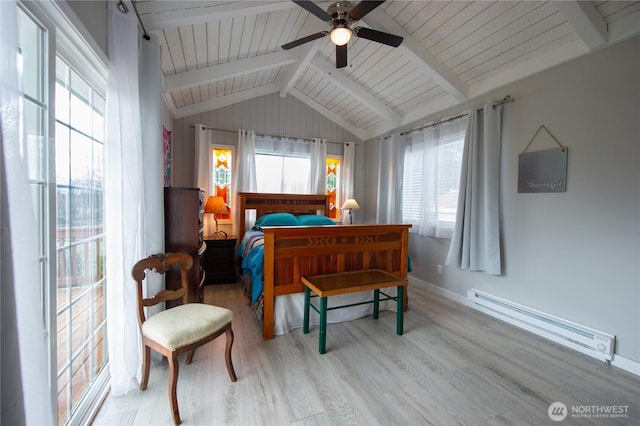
(543, 171)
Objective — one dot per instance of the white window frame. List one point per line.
(68, 37)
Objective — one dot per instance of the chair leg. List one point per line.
(146, 361)
(229, 338)
(190, 356)
(173, 384)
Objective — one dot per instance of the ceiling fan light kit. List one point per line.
(340, 36)
(341, 15)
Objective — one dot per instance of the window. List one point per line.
(283, 165)
(222, 172)
(66, 176)
(80, 239)
(431, 178)
(34, 103)
(32, 39)
(333, 183)
(282, 174)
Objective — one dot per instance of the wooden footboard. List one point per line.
(293, 252)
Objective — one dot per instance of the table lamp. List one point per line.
(215, 205)
(350, 204)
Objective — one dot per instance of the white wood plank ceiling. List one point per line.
(215, 54)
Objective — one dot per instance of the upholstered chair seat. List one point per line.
(185, 324)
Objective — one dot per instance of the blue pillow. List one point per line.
(314, 220)
(276, 219)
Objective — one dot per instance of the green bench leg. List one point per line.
(307, 302)
(323, 325)
(376, 303)
(400, 313)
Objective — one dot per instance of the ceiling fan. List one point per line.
(341, 15)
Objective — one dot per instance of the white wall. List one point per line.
(575, 255)
(270, 115)
(93, 14)
(167, 118)
(372, 152)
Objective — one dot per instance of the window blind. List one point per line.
(431, 178)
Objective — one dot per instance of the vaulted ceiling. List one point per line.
(215, 54)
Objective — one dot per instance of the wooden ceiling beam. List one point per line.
(228, 70)
(586, 21)
(295, 71)
(326, 112)
(226, 100)
(355, 90)
(419, 55)
(159, 15)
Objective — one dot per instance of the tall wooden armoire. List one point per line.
(183, 232)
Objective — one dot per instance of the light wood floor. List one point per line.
(453, 365)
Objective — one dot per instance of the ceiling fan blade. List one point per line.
(304, 40)
(379, 36)
(361, 9)
(314, 9)
(341, 56)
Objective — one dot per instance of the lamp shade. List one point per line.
(350, 204)
(340, 36)
(215, 205)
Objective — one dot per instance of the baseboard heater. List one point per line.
(584, 339)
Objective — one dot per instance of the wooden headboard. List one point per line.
(296, 204)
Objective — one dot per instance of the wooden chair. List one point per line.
(180, 329)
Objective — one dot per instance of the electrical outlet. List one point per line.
(440, 269)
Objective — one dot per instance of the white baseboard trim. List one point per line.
(438, 290)
(626, 364)
(618, 361)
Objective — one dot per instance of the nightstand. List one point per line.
(219, 262)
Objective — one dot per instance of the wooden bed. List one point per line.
(293, 252)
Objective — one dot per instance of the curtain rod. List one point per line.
(135, 9)
(261, 134)
(505, 100)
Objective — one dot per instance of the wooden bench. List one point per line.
(351, 282)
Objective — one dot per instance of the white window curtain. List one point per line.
(431, 177)
(318, 166)
(150, 81)
(203, 169)
(346, 181)
(279, 145)
(133, 186)
(476, 239)
(25, 380)
(390, 168)
(244, 175)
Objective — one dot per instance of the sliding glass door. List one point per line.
(80, 245)
(63, 120)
